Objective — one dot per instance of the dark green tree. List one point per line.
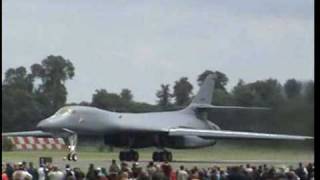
(267, 92)
(53, 72)
(18, 78)
(18, 102)
(108, 101)
(100, 99)
(164, 96)
(126, 95)
(243, 95)
(84, 103)
(182, 91)
(309, 92)
(292, 88)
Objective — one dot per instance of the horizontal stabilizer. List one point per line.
(208, 106)
(222, 134)
(27, 133)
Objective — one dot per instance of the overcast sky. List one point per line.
(141, 44)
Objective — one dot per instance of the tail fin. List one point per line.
(205, 93)
(203, 99)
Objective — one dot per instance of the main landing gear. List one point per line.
(160, 156)
(72, 155)
(157, 156)
(129, 155)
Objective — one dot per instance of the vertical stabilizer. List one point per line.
(204, 95)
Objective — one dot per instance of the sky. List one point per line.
(142, 44)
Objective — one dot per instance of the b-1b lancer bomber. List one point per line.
(185, 128)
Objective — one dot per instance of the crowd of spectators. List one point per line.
(156, 171)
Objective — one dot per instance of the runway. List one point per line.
(222, 156)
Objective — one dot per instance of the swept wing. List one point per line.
(223, 134)
(28, 133)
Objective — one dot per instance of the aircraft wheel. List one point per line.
(169, 156)
(163, 156)
(69, 157)
(129, 155)
(134, 155)
(156, 156)
(122, 156)
(74, 157)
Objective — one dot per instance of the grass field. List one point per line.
(221, 151)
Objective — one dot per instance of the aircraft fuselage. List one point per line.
(123, 129)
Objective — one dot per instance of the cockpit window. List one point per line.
(64, 111)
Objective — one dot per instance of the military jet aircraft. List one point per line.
(185, 128)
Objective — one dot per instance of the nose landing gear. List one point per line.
(72, 155)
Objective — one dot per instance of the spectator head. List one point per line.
(135, 164)
(248, 166)
(218, 168)
(291, 168)
(54, 168)
(20, 166)
(300, 164)
(50, 167)
(228, 169)
(98, 169)
(91, 166)
(151, 163)
(214, 171)
(181, 167)
(113, 161)
(30, 164)
(104, 170)
(125, 175)
(158, 167)
(283, 169)
(272, 171)
(195, 168)
(309, 166)
(124, 165)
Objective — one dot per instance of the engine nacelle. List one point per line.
(188, 142)
(156, 140)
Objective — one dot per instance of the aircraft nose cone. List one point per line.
(39, 125)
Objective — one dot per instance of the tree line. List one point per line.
(29, 96)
